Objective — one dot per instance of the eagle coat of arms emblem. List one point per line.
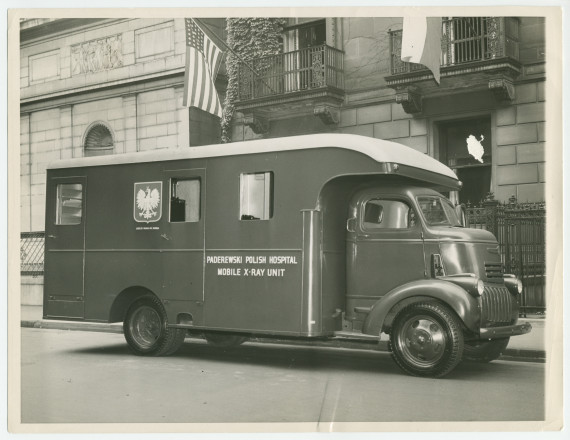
(148, 202)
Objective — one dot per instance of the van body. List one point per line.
(305, 237)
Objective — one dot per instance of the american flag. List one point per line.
(203, 59)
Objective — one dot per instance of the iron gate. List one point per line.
(520, 230)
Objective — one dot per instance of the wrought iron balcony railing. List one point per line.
(306, 69)
(465, 40)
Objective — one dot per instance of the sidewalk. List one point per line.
(529, 347)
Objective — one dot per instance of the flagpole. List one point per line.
(211, 32)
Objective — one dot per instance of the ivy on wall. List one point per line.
(249, 38)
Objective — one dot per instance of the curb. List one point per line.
(512, 354)
(75, 326)
(521, 355)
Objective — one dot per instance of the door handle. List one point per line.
(51, 236)
(351, 224)
(166, 237)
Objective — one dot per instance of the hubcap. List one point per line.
(422, 341)
(145, 326)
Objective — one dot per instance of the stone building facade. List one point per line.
(111, 86)
(100, 86)
(493, 84)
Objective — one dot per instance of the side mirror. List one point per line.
(460, 211)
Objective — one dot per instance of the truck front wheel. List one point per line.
(484, 351)
(146, 331)
(426, 340)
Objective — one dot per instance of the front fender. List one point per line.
(385, 309)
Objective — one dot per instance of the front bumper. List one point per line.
(506, 331)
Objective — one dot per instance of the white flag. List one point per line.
(421, 42)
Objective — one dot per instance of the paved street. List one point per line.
(85, 377)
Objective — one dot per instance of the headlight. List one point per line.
(468, 281)
(480, 287)
(513, 284)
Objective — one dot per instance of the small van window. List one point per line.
(388, 214)
(69, 204)
(256, 196)
(184, 200)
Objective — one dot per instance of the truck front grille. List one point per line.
(494, 271)
(497, 306)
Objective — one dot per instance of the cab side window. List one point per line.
(388, 214)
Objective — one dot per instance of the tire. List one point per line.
(484, 351)
(223, 340)
(426, 340)
(146, 331)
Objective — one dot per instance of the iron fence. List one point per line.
(520, 230)
(32, 253)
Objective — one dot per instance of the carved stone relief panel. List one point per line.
(97, 55)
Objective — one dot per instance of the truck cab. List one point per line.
(413, 269)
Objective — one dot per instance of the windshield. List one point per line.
(438, 211)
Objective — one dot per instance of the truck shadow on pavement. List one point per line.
(297, 357)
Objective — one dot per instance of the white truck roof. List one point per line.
(380, 150)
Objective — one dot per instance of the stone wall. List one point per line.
(367, 50)
(31, 290)
(112, 51)
(386, 121)
(521, 145)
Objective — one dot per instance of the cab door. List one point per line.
(385, 247)
(65, 247)
(182, 240)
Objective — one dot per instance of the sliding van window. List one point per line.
(69, 204)
(184, 200)
(256, 196)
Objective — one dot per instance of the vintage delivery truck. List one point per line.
(307, 237)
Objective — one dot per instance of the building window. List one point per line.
(98, 140)
(466, 147)
(184, 200)
(468, 39)
(305, 61)
(256, 196)
(305, 35)
(69, 204)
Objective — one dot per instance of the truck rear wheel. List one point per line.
(484, 351)
(426, 340)
(221, 340)
(146, 331)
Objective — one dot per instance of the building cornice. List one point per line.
(61, 27)
(172, 78)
